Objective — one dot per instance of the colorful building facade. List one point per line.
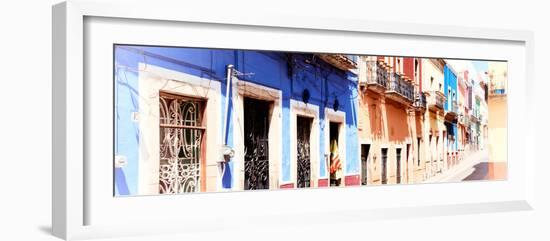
(433, 85)
(465, 110)
(204, 120)
(387, 121)
(497, 103)
(451, 116)
(233, 120)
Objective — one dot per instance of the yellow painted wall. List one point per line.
(433, 80)
(497, 128)
(431, 70)
(497, 116)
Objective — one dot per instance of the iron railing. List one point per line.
(437, 99)
(378, 74)
(498, 91)
(497, 88)
(420, 100)
(466, 121)
(452, 107)
(345, 62)
(402, 87)
(475, 116)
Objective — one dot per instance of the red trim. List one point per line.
(288, 185)
(323, 182)
(408, 67)
(354, 180)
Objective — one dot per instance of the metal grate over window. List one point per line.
(181, 134)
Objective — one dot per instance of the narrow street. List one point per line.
(476, 166)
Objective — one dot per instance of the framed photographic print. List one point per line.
(165, 122)
(351, 119)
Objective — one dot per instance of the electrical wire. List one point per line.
(180, 83)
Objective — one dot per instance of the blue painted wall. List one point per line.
(290, 73)
(451, 86)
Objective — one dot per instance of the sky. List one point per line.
(481, 66)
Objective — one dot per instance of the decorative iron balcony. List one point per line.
(376, 76)
(344, 62)
(399, 89)
(497, 92)
(464, 119)
(382, 75)
(452, 109)
(497, 88)
(420, 101)
(437, 100)
(440, 101)
(475, 116)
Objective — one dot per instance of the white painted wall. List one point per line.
(25, 138)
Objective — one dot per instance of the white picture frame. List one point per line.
(81, 209)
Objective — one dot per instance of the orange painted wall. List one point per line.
(398, 128)
(371, 121)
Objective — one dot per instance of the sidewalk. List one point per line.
(462, 170)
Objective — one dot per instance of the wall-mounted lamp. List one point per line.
(305, 96)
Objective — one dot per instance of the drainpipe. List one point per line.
(228, 84)
(226, 151)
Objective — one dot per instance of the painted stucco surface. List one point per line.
(290, 74)
(417, 140)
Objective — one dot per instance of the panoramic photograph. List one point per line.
(192, 120)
